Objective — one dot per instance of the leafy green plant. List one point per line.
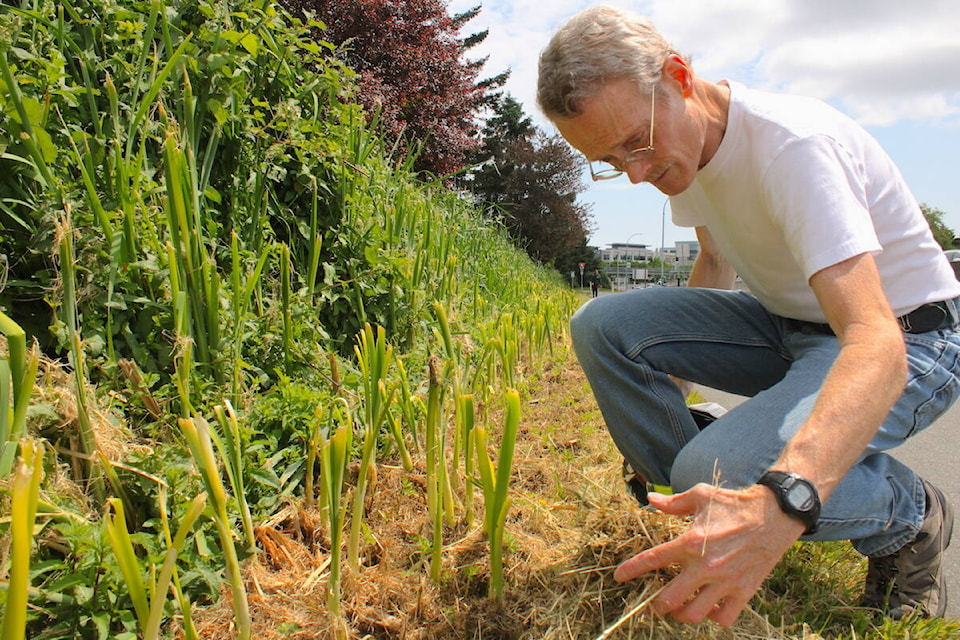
(496, 483)
(149, 602)
(23, 511)
(196, 431)
(374, 357)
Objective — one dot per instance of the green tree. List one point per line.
(570, 260)
(944, 235)
(531, 182)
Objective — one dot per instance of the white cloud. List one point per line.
(881, 60)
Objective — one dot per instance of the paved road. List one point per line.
(934, 455)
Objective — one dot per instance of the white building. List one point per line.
(686, 252)
(619, 260)
(626, 253)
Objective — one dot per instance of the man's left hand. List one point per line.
(735, 540)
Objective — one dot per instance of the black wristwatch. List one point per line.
(797, 496)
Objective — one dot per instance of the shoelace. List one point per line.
(884, 571)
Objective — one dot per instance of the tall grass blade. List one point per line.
(374, 356)
(88, 439)
(334, 456)
(17, 374)
(435, 459)
(196, 431)
(287, 315)
(467, 416)
(168, 572)
(148, 603)
(496, 484)
(230, 448)
(24, 496)
(126, 558)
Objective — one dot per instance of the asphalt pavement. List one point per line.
(933, 454)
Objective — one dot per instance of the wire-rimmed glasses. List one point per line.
(617, 169)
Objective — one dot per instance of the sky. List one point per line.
(892, 65)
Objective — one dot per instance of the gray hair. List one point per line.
(595, 46)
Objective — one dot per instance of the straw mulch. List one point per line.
(571, 522)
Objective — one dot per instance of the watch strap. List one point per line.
(780, 483)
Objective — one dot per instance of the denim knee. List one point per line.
(695, 464)
(586, 325)
(691, 467)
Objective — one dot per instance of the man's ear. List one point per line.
(676, 69)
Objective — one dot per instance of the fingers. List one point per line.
(650, 560)
(729, 610)
(668, 553)
(715, 581)
(682, 504)
(714, 602)
(694, 607)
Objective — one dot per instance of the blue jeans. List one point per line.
(629, 343)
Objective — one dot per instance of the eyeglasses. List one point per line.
(643, 153)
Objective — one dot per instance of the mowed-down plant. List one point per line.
(495, 481)
(24, 498)
(18, 369)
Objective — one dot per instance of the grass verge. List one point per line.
(570, 524)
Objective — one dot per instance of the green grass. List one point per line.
(819, 585)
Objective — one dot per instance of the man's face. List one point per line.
(617, 120)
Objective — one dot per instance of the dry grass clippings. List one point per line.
(570, 524)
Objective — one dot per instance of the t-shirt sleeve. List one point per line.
(817, 194)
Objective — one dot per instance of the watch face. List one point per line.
(800, 496)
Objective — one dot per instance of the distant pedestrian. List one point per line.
(595, 283)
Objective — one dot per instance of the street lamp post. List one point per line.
(630, 270)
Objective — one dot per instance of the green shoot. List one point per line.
(197, 433)
(24, 493)
(496, 484)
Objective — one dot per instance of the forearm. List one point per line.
(711, 269)
(858, 393)
(712, 272)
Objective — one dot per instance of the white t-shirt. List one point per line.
(796, 187)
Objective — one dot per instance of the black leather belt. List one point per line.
(932, 316)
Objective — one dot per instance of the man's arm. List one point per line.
(725, 556)
(864, 382)
(711, 270)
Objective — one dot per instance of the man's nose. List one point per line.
(637, 170)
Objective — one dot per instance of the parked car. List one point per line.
(953, 255)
